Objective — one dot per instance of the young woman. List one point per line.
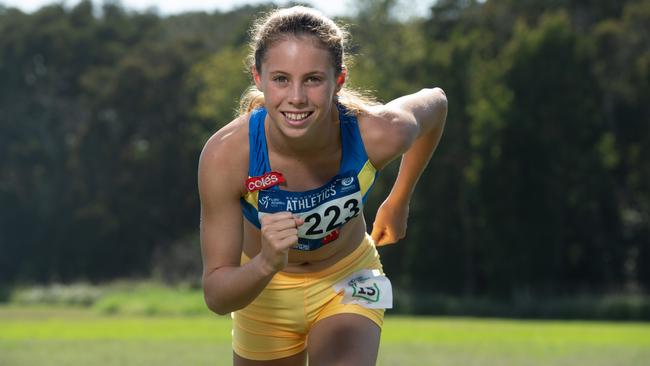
(282, 188)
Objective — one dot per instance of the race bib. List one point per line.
(368, 288)
(324, 209)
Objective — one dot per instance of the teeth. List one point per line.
(297, 116)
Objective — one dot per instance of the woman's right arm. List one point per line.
(227, 285)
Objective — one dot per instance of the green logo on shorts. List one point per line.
(369, 293)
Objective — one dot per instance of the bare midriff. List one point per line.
(351, 235)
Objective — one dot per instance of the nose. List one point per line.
(297, 95)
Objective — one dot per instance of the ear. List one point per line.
(256, 78)
(340, 80)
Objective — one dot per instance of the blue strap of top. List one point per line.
(258, 161)
(353, 154)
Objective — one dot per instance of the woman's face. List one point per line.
(299, 85)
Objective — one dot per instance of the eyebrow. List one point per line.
(310, 73)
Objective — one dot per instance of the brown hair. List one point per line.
(300, 21)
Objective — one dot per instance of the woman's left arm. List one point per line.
(424, 113)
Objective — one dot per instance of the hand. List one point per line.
(279, 233)
(390, 223)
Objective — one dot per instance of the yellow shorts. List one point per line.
(276, 324)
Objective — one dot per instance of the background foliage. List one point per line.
(540, 188)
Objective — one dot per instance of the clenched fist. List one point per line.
(279, 233)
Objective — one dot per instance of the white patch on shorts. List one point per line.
(368, 288)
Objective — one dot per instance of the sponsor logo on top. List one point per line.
(265, 181)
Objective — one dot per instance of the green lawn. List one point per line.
(63, 336)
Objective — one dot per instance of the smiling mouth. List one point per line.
(297, 117)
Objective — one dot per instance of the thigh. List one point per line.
(344, 339)
(295, 360)
(273, 326)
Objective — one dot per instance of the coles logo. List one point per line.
(264, 181)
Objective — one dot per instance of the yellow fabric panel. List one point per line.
(251, 197)
(366, 177)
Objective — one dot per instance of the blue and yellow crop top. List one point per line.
(324, 209)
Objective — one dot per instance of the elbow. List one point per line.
(439, 98)
(442, 99)
(436, 97)
(214, 300)
(216, 306)
(436, 92)
(219, 295)
(218, 310)
(439, 91)
(440, 107)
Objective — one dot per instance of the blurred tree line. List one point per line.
(540, 187)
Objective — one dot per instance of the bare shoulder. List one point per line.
(389, 130)
(224, 159)
(386, 132)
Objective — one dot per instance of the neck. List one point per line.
(319, 141)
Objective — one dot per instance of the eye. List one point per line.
(313, 80)
(280, 79)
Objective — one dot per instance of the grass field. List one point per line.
(54, 335)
